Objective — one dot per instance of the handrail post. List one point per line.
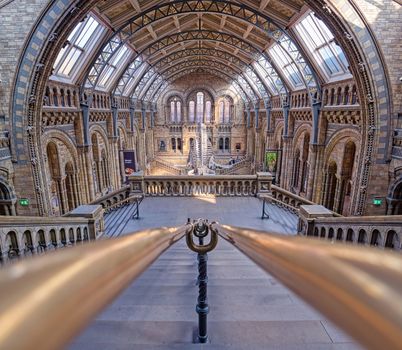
(201, 229)
(202, 306)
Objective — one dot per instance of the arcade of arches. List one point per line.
(308, 90)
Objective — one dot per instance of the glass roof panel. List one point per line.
(89, 29)
(77, 47)
(287, 65)
(321, 45)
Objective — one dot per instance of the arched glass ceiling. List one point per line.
(280, 68)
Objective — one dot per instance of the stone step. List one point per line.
(121, 212)
(222, 335)
(249, 309)
(221, 313)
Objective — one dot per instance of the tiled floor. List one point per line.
(248, 308)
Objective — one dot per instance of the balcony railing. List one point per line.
(26, 236)
(376, 231)
(187, 186)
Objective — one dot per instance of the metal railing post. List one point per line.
(201, 231)
(202, 306)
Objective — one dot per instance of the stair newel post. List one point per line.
(201, 230)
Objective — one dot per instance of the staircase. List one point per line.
(243, 164)
(116, 220)
(248, 309)
(165, 166)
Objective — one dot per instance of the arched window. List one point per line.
(175, 110)
(227, 111)
(222, 112)
(208, 111)
(227, 144)
(221, 144)
(172, 111)
(191, 112)
(178, 112)
(200, 107)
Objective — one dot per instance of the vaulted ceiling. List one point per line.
(169, 39)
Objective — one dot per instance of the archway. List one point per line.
(392, 240)
(394, 201)
(7, 205)
(330, 182)
(27, 242)
(339, 235)
(71, 187)
(57, 200)
(362, 239)
(346, 179)
(350, 235)
(12, 245)
(375, 238)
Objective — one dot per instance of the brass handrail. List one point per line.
(359, 289)
(46, 301)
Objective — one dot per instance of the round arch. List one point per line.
(63, 19)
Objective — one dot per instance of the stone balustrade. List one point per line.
(113, 198)
(215, 185)
(289, 198)
(377, 231)
(290, 201)
(25, 236)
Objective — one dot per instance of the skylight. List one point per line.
(76, 46)
(321, 44)
(287, 65)
(112, 66)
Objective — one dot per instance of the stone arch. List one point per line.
(339, 234)
(331, 233)
(392, 240)
(100, 158)
(394, 199)
(199, 88)
(12, 244)
(350, 235)
(41, 240)
(345, 176)
(376, 238)
(7, 198)
(46, 50)
(362, 237)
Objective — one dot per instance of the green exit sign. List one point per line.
(377, 201)
(24, 202)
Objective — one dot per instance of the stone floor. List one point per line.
(248, 308)
(243, 212)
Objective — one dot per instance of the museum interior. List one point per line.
(134, 132)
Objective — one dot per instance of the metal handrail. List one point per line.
(359, 289)
(70, 287)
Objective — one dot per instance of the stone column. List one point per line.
(89, 174)
(338, 194)
(286, 172)
(325, 180)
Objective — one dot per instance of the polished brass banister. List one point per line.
(45, 301)
(358, 288)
